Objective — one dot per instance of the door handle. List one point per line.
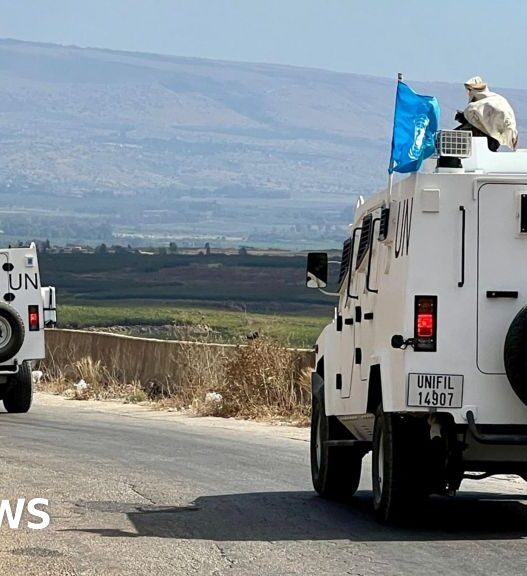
(461, 282)
(502, 294)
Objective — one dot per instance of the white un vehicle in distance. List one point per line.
(25, 310)
(425, 362)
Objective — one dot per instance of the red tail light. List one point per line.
(34, 318)
(425, 323)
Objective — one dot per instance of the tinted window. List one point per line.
(345, 260)
(364, 242)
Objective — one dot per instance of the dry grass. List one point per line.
(101, 384)
(262, 380)
(265, 379)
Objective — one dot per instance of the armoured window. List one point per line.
(345, 260)
(364, 242)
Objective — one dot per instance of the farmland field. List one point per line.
(257, 283)
(166, 321)
(214, 297)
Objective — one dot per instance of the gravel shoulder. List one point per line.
(149, 412)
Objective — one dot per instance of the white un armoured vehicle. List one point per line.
(25, 309)
(425, 362)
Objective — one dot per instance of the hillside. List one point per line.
(99, 145)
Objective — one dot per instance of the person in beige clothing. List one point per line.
(488, 114)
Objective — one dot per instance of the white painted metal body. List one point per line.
(20, 287)
(423, 256)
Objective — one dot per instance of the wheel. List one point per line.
(515, 354)
(387, 468)
(335, 471)
(20, 394)
(398, 482)
(11, 332)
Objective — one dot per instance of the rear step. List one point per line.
(361, 445)
(502, 439)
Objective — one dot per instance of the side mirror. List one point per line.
(317, 270)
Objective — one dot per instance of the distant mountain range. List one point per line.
(125, 147)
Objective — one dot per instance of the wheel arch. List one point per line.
(374, 389)
(317, 382)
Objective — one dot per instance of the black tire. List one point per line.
(515, 354)
(18, 398)
(399, 471)
(12, 332)
(335, 471)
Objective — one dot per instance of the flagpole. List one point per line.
(390, 175)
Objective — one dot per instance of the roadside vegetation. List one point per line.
(262, 380)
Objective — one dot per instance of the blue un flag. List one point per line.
(416, 122)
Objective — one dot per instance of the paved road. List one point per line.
(137, 492)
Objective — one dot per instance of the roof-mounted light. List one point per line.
(454, 143)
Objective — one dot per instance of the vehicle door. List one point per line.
(346, 316)
(502, 268)
(5, 284)
(366, 272)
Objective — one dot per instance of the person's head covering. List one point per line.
(476, 84)
(490, 113)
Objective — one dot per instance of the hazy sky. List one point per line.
(441, 40)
